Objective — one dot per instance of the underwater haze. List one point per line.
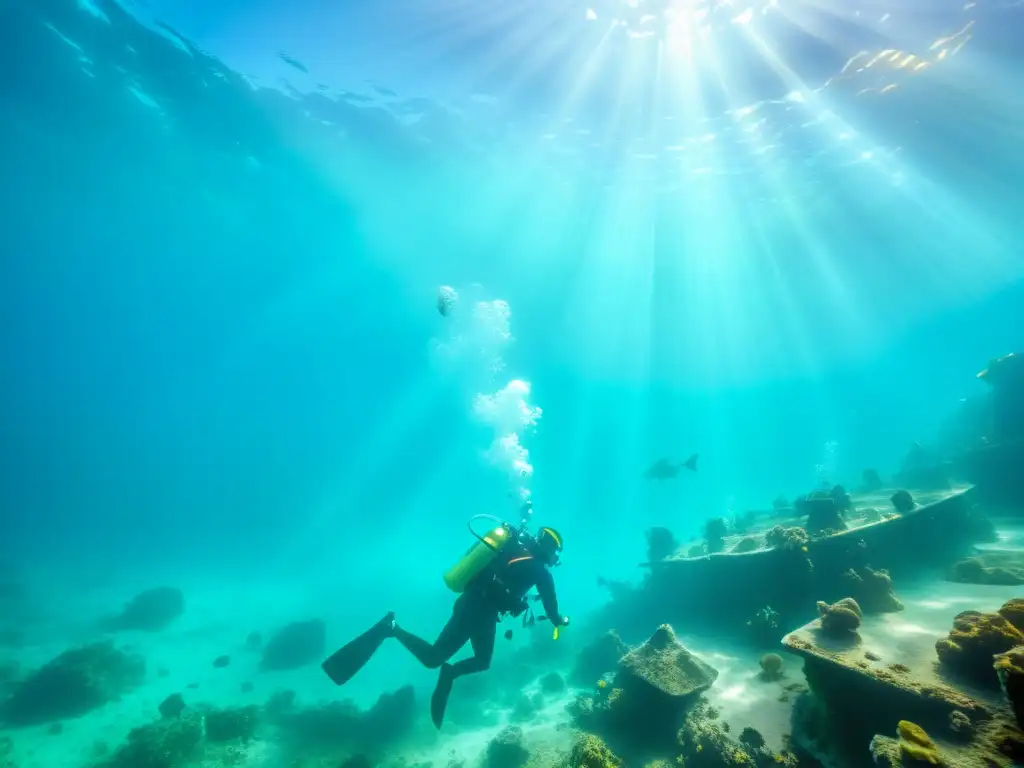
(292, 291)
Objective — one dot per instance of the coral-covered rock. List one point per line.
(663, 666)
(903, 502)
(75, 682)
(841, 619)
(390, 719)
(975, 638)
(780, 537)
(973, 570)
(232, 724)
(771, 666)
(705, 743)
(506, 750)
(1013, 612)
(1009, 667)
(872, 590)
(149, 611)
(598, 658)
(660, 544)
(590, 751)
(916, 746)
(295, 645)
(164, 744)
(823, 517)
(552, 683)
(172, 706)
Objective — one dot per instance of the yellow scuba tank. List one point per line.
(477, 557)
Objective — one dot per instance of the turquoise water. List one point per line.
(784, 237)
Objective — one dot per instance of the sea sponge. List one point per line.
(771, 666)
(916, 745)
(841, 618)
(972, 642)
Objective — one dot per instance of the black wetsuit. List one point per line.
(499, 590)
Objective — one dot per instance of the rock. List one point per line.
(294, 646)
(75, 682)
(598, 658)
(664, 665)
(506, 750)
(973, 641)
(916, 746)
(232, 724)
(903, 502)
(960, 724)
(841, 619)
(389, 720)
(172, 706)
(149, 611)
(771, 666)
(973, 570)
(872, 590)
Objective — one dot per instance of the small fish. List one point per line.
(508, 634)
(292, 62)
(666, 469)
(221, 661)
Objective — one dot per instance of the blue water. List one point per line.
(219, 294)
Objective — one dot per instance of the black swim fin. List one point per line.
(345, 662)
(439, 701)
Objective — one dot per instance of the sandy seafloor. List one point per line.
(217, 622)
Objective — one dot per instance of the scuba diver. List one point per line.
(493, 579)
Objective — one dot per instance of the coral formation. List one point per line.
(295, 645)
(780, 537)
(662, 667)
(660, 544)
(1009, 667)
(916, 745)
(149, 611)
(771, 666)
(506, 749)
(972, 570)
(841, 619)
(903, 502)
(823, 518)
(164, 744)
(975, 639)
(706, 744)
(73, 683)
(597, 658)
(590, 751)
(552, 683)
(872, 590)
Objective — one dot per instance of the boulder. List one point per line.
(663, 667)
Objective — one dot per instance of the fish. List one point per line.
(666, 469)
(292, 62)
